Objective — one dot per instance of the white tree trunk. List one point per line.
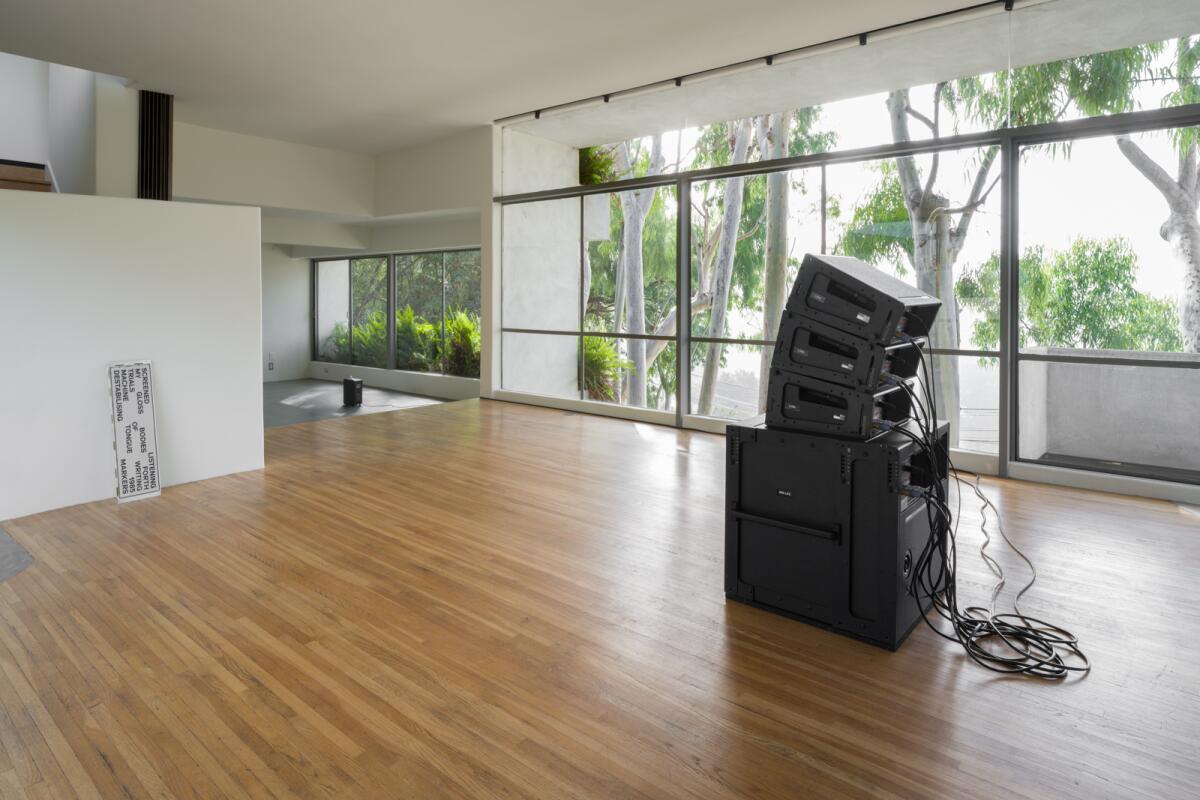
(631, 283)
(723, 268)
(1183, 232)
(1182, 228)
(933, 261)
(635, 294)
(775, 258)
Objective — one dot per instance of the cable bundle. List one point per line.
(1011, 643)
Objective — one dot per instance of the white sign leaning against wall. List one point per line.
(134, 441)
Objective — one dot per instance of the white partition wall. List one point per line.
(91, 280)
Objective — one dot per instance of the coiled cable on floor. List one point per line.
(1007, 642)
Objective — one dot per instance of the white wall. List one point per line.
(458, 230)
(450, 174)
(531, 163)
(116, 138)
(225, 167)
(24, 109)
(321, 234)
(91, 280)
(72, 128)
(445, 387)
(286, 315)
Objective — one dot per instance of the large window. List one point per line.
(1051, 207)
(1109, 303)
(430, 323)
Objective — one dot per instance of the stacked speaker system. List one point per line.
(826, 497)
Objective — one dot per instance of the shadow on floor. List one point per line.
(289, 402)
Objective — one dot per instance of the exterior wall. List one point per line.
(1133, 414)
(531, 163)
(541, 289)
(101, 280)
(287, 315)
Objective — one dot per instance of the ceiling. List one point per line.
(374, 76)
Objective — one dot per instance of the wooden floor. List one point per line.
(481, 599)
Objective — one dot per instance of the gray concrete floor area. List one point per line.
(289, 402)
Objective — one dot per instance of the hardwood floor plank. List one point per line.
(481, 599)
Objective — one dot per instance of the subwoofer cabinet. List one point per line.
(817, 528)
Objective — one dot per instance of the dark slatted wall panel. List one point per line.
(155, 115)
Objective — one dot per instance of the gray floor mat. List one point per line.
(13, 557)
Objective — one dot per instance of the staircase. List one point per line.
(24, 176)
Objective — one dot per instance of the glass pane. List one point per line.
(1129, 419)
(419, 312)
(333, 311)
(462, 280)
(1107, 251)
(1139, 75)
(978, 402)
(944, 239)
(745, 260)
(541, 268)
(947, 244)
(540, 364)
(729, 380)
(462, 313)
(611, 372)
(368, 311)
(629, 268)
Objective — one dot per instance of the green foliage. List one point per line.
(658, 263)
(879, 229)
(1081, 297)
(596, 165)
(368, 288)
(602, 368)
(370, 341)
(1186, 73)
(418, 342)
(462, 344)
(805, 137)
(1101, 83)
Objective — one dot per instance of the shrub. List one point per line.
(462, 344)
(602, 368)
(596, 165)
(418, 342)
(370, 341)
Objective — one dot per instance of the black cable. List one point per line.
(1008, 643)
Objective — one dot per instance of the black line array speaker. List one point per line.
(820, 351)
(853, 296)
(821, 523)
(798, 402)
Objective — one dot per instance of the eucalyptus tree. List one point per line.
(630, 268)
(1181, 190)
(937, 225)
